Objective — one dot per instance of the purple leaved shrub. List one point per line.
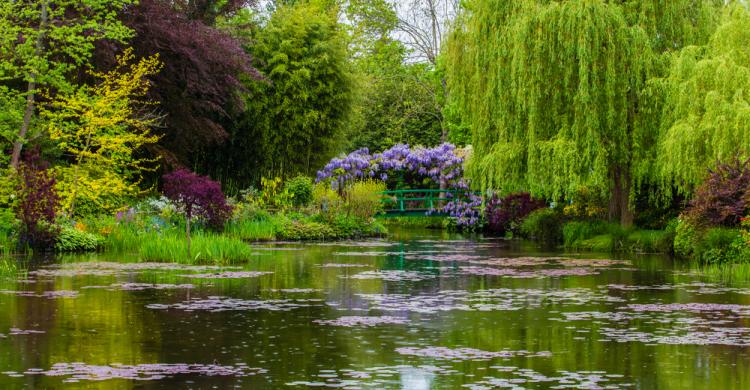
(198, 197)
(506, 214)
(722, 199)
(38, 202)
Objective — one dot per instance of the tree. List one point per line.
(553, 95)
(706, 105)
(37, 202)
(199, 89)
(43, 44)
(398, 101)
(300, 111)
(102, 127)
(198, 197)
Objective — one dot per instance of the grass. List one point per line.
(7, 243)
(726, 272)
(607, 237)
(205, 248)
(251, 230)
(8, 268)
(124, 238)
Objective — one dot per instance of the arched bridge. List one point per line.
(417, 202)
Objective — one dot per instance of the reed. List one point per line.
(205, 248)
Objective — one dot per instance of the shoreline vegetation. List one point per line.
(232, 131)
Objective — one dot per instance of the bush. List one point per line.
(37, 204)
(719, 245)
(544, 226)
(586, 204)
(198, 197)
(364, 200)
(305, 230)
(505, 215)
(686, 238)
(721, 200)
(327, 202)
(271, 194)
(71, 239)
(300, 190)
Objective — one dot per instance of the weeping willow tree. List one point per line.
(706, 101)
(552, 90)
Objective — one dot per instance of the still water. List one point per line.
(419, 310)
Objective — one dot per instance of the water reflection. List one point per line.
(406, 313)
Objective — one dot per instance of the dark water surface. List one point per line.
(420, 310)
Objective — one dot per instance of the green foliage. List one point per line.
(610, 237)
(721, 245)
(299, 229)
(364, 200)
(577, 231)
(327, 202)
(706, 99)
(297, 115)
(272, 195)
(686, 238)
(205, 248)
(8, 268)
(251, 230)
(552, 93)
(71, 239)
(427, 222)
(397, 100)
(649, 241)
(43, 44)
(586, 205)
(300, 189)
(103, 128)
(710, 245)
(543, 225)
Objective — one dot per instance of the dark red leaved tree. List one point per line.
(198, 197)
(38, 202)
(198, 89)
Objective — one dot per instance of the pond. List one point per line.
(419, 310)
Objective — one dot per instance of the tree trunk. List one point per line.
(30, 97)
(75, 191)
(619, 201)
(188, 237)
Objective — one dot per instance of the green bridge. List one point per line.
(417, 202)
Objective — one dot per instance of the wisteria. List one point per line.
(441, 164)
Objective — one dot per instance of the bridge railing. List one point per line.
(401, 201)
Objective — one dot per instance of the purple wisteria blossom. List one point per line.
(440, 164)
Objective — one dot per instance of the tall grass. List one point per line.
(601, 236)
(205, 248)
(126, 238)
(726, 272)
(7, 243)
(251, 230)
(8, 268)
